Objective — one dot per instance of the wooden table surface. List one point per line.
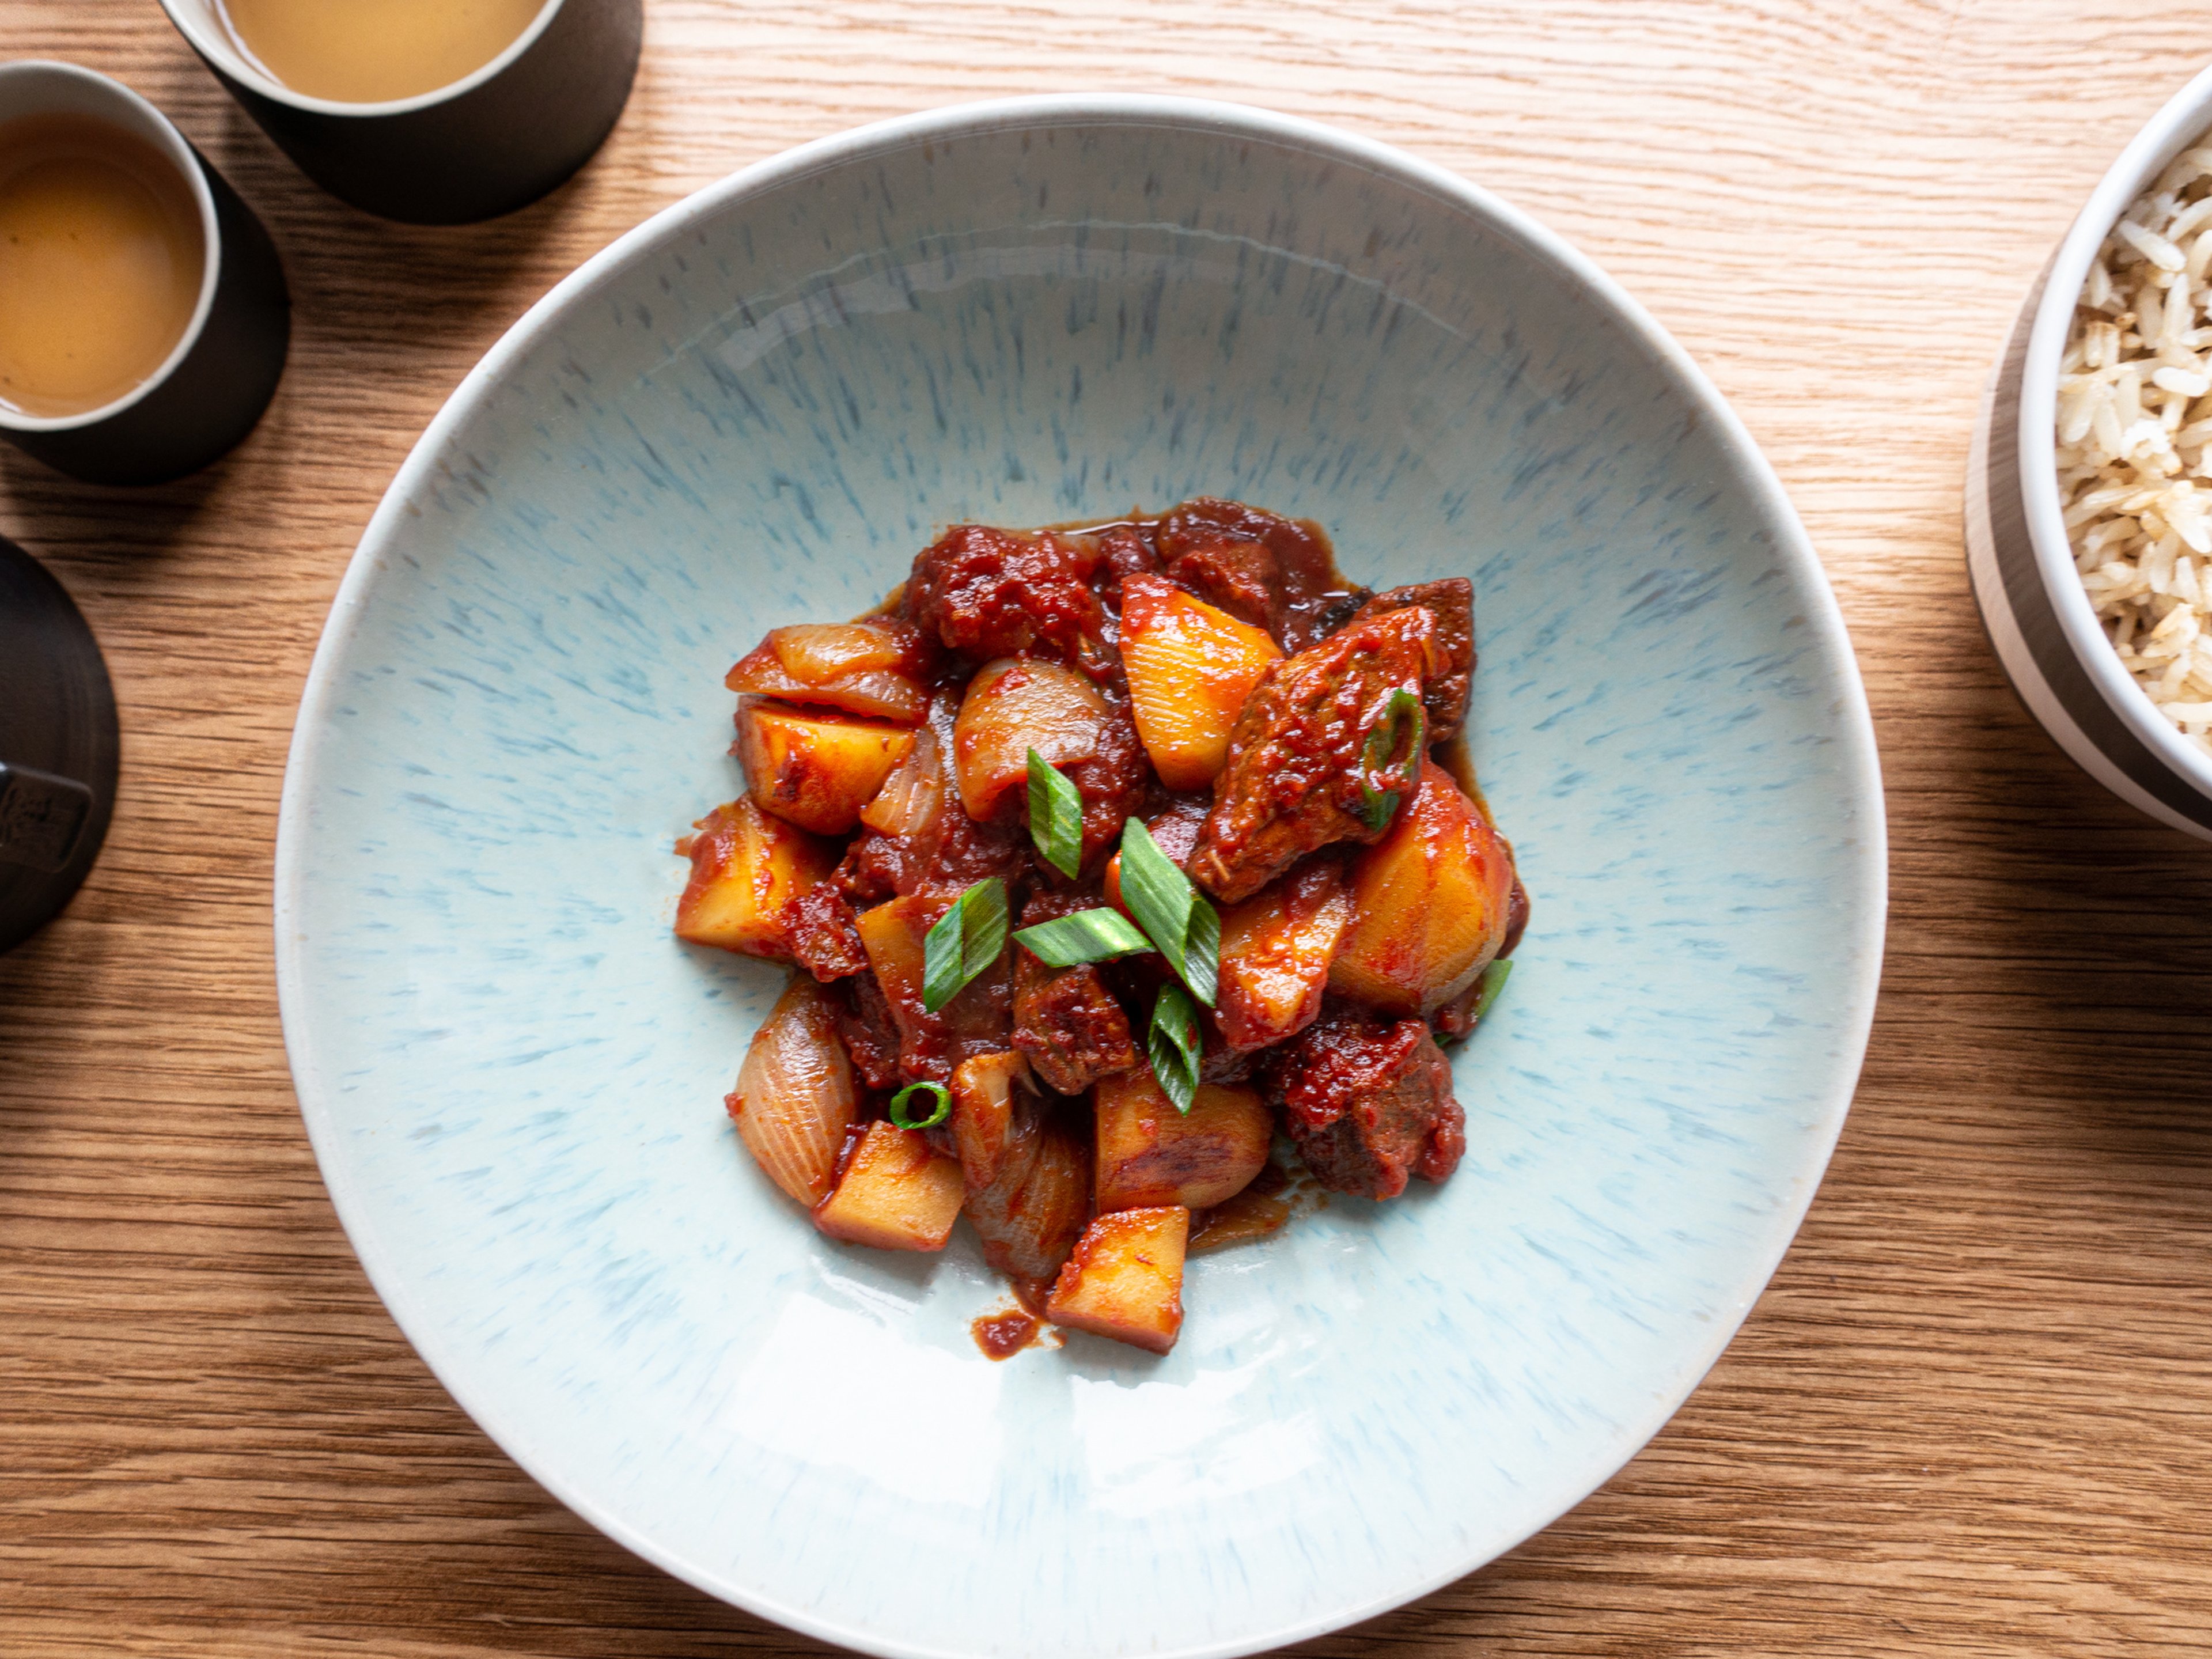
(1974, 1413)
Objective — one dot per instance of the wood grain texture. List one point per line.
(1973, 1413)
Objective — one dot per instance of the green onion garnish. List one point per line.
(1086, 936)
(1493, 981)
(1176, 1046)
(1185, 927)
(1379, 759)
(936, 1092)
(1055, 815)
(966, 940)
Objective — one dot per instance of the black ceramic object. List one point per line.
(489, 143)
(215, 384)
(57, 746)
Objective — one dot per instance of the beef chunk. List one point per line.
(1127, 552)
(871, 1036)
(1273, 572)
(990, 593)
(1451, 602)
(1241, 578)
(1068, 1020)
(1292, 783)
(822, 937)
(1175, 822)
(1367, 1102)
(1069, 1023)
(1114, 781)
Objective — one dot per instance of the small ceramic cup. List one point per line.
(2039, 616)
(57, 746)
(490, 143)
(223, 370)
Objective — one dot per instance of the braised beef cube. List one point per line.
(1293, 780)
(1068, 1020)
(988, 593)
(1241, 578)
(1303, 602)
(1127, 552)
(823, 936)
(871, 1035)
(1114, 782)
(1069, 1023)
(1367, 1102)
(1451, 602)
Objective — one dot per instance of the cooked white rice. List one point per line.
(2135, 440)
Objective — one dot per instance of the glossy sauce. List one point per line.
(368, 51)
(1003, 1335)
(100, 262)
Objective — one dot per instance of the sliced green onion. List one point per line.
(1176, 1046)
(938, 1113)
(966, 940)
(1086, 936)
(1185, 927)
(1378, 759)
(1493, 981)
(1055, 815)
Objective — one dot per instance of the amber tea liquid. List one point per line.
(100, 260)
(368, 51)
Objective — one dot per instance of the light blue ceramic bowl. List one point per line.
(753, 411)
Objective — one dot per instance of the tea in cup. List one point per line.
(355, 52)
(429, 112)
(143, 315)
(101, 263)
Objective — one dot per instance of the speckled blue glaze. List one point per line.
(752, 411)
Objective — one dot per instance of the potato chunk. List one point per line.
(1191, 666)
(1149, 1154)
(1429, 904)
(1124, 1279)
(814, 769)
(898, 1193)
(746, 867)
(794, 1096)
(1276, 948)
(1013, 706)
(876, 668)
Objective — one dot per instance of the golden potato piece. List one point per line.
(1276, 949)
(1124, 1279)
(746, 867)
(814, 769)
(1190, 667)
(1429, 902)
(898, 1193)
(1149, 1154)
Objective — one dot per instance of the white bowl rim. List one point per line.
(2182, 117)
(1825, 622)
